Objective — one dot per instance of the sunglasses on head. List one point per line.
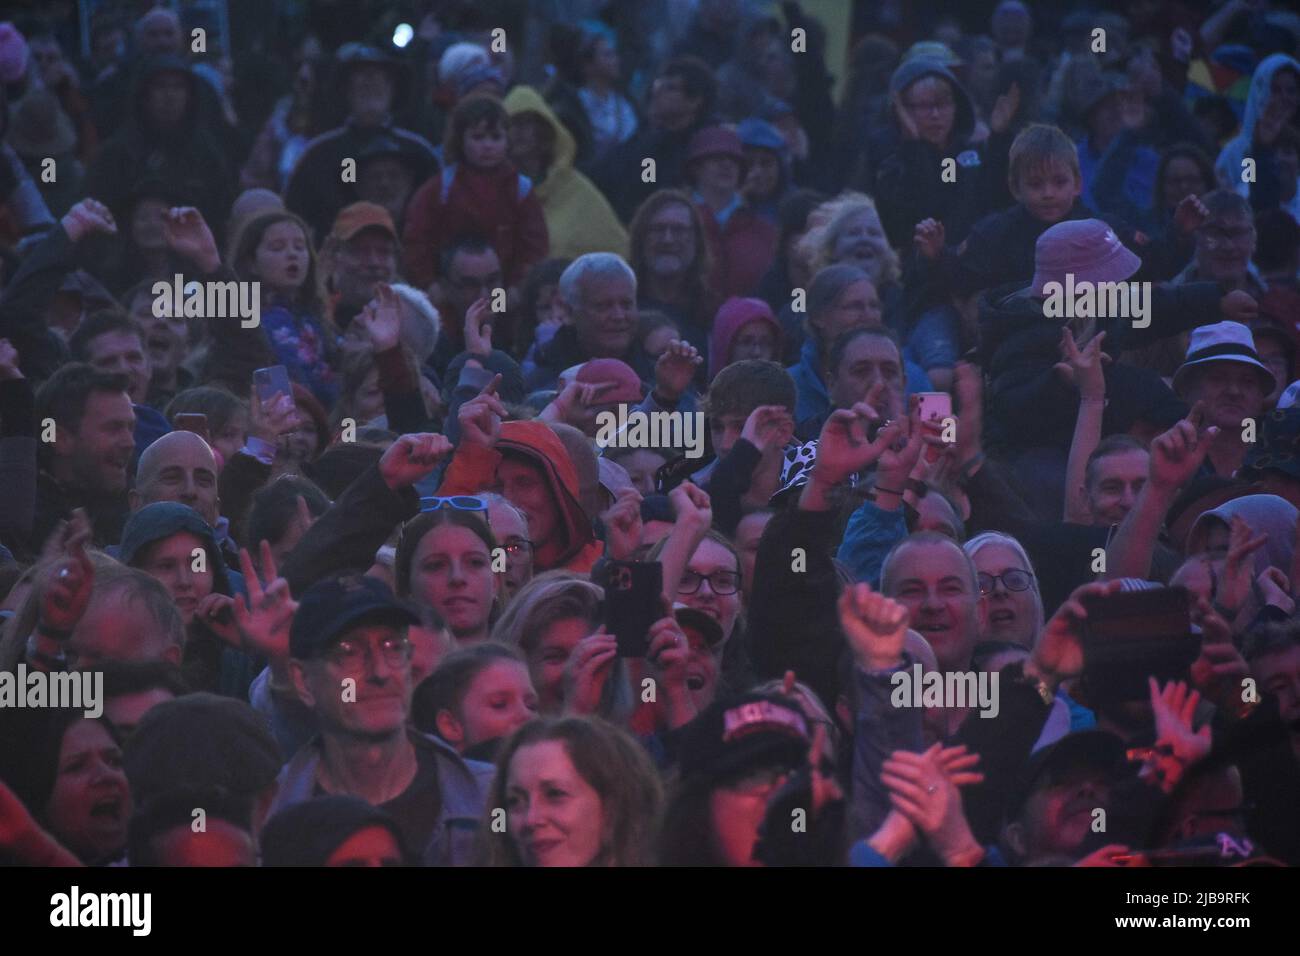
(456, 502)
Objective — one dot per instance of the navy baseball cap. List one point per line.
(331, 607)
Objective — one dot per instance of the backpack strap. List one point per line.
(447, 178)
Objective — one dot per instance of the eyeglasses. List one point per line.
(518, 547)
(457, 502)
(1013, 580)
(720, 582)
(350, 656)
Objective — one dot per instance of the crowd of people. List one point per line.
(363, 618)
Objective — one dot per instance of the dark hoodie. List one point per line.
(185, 159)
(207, 664)
(909, 182)
(1028, 404)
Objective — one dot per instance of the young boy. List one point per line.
(1044, 178)
(479, 193)
(750, 412)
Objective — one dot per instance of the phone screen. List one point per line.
(271, 381)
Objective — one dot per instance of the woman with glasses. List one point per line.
(1014, 607)
(444, 562)
(711, 584)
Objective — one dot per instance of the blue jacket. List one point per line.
(463, 783)
(868, 537)
(812, 400)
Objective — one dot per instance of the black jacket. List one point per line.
(1027, 403)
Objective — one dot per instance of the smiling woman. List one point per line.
(577, 792)
(444, 561)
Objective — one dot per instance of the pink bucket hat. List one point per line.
(1088, 249)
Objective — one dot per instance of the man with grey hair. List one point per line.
(598, 293)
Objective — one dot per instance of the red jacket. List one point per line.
(497, 205)
(473, 470)
(742, 250)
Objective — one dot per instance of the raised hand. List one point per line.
(1005, 109)
(478, 328)
(1239, 306)
(843, 448)
(1239, 566)
(692, 508)
(768, 426)
(273, 420)
(622, 523)
(573, 405)
(1059, 652)
(1177, 745)
(263, 622)
(381, 319)
(1190, 213)
(411, 458)
(589, 666)
(928, 238)
(480, 418)
(874, 625)
(668, 654)
(87, 217)
(190, 238)
(1179, 452)
(68, 578)
(1086, 367)
(1219, 669)
(675, 370)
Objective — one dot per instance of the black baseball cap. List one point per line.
(1097, 750)
(331, 607)
(743, 733)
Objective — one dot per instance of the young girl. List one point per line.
(476, 698)
(275, 250)
(444, 561)
(479, 193)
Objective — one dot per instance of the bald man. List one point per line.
(179, 466)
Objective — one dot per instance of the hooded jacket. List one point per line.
(207, 663)
(909, 183)
(1028, 404)
(578, 217)
(734, 315)
(1228, 165)
(185, 158)
(474, 468)
(1269, 515)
